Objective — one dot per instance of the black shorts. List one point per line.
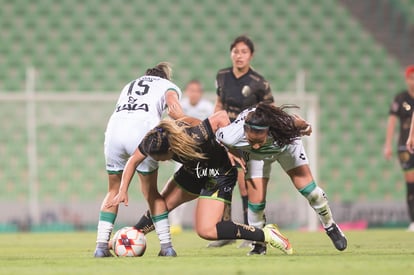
(406, 159)
(218, 185)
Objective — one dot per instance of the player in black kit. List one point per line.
(206, 174)
(402, 110)
(240, 87)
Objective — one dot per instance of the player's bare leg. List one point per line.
(409, 180)
(210, 226)
(302, 179)
(159, 212)
(107, 217)
(245, 202)
(227, 213)
(257, 189)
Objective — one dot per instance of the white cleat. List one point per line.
(276, 239)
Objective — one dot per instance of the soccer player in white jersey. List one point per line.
(138, 110)
(262, 135)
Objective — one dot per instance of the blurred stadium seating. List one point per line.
(407, 8)
(100, 45)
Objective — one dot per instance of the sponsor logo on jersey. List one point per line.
(206, 172)
(132, 107)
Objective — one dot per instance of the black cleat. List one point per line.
(246, 243)
(337, 237)
(258, 249)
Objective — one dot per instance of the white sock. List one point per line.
(319, 202)
(162, 227)
(104, 231)
(256, 219)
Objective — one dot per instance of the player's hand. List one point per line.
(235, 159)
(304, 127)
(121, 197)
(410, 145)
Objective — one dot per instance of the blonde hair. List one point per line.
(162, 69)
(166, 68)
(170, 136)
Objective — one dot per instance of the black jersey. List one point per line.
(402, 107)
(241, 93)
(216, 155)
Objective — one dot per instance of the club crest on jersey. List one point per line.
(406, 106)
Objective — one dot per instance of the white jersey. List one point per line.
(144, 97)
(259, 161)
(202, 110)
(233, 137)
(138, 110)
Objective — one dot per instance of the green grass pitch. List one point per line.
(369, 252)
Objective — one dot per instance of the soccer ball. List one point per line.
(129, 242)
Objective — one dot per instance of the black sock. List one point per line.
(245, 205)
(145, 223)
(228, 230)
(410, 200)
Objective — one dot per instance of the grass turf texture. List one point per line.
(369, 252)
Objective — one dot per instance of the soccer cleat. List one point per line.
(245, 243)
(167, 252)
(276, 239)
(337, 237)
(102, 251)
(259, 248)
(220, 243)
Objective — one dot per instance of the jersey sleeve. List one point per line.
(219, 83)
(267, 93)
(234, 132)
(202, 132)
(173, 87)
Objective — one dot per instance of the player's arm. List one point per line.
(267, 93)
(191, 121)
(205, 130)
(303, 125)
(235, 157)
(392, 120)
(410, 140)
(218, 106)
(174, 109)
(218, 120)
(127, 176)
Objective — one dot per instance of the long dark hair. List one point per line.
(281, 124)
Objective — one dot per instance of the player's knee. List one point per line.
(207, 232)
